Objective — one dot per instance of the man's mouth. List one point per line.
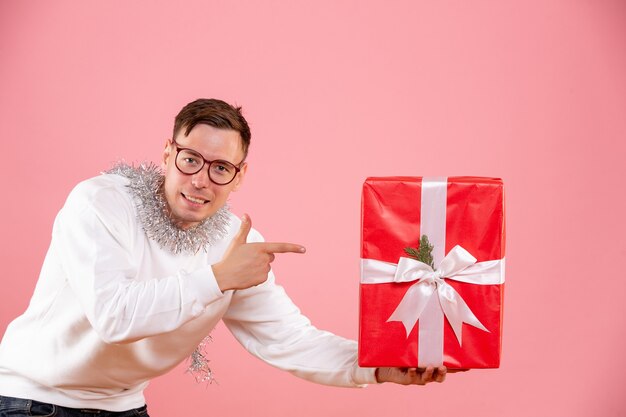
(195, 200)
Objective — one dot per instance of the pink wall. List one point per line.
(533, 92)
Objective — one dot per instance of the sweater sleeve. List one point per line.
(269, 325)
(94, 237)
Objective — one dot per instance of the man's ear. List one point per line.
(166, 153)
(240, 176)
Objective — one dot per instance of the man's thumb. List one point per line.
(242, 235)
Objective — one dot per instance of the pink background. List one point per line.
(533, 92)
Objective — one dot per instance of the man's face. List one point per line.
(194, 198)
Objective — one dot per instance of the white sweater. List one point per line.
(112, 310)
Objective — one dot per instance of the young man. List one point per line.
(141, 267)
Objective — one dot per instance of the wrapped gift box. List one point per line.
(415, 315)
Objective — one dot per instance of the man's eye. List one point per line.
(191, 161)
(222, 168)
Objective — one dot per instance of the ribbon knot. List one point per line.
(458, 265)
(435, 277)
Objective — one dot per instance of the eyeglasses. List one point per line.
(191, 162)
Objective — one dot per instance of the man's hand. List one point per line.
(245, 265)
(413, 376)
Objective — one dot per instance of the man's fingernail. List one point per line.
(302, 249)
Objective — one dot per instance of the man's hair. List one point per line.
(216, 113)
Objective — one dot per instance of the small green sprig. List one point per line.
(423, 252)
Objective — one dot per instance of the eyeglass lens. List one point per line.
(190, 162)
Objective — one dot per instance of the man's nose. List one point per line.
(201, 178)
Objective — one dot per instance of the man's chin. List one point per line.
(189, 222)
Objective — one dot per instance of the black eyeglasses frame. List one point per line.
(205, 162)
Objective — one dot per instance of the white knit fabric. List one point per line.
(112, 310)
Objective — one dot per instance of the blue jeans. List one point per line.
(18, 407)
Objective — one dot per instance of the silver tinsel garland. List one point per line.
(146, 187)
(199, 364)
(145, 184)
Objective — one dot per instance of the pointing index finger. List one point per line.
(283, 247)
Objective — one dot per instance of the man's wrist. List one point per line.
(219, 277)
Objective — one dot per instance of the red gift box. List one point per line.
(412, 315)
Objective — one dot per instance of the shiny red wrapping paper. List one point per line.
(390, 223)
